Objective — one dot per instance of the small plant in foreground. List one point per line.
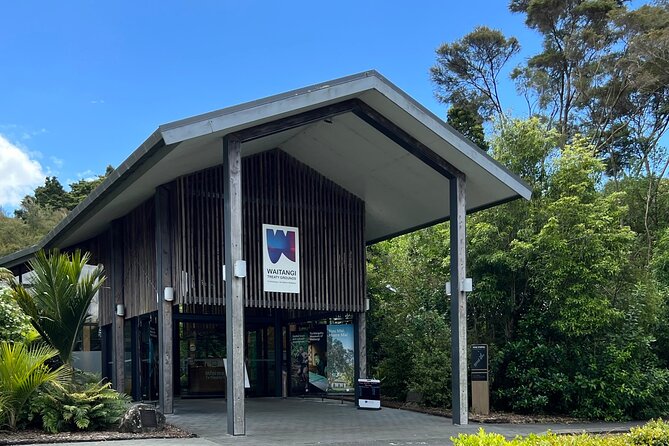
(23, 370)
(79, 406)
(654, 433)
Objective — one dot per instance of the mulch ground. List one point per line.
(492, 418)
(40, 437)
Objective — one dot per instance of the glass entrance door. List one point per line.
(201, 355)
(148, 357)
(261, 361)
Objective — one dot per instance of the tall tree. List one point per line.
(52, 194)
(577, 36)
(467, 71)
(469, 123)
(82, 188)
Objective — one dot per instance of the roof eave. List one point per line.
(93, 200)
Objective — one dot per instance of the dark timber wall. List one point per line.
(99, 248)
(277, 189)
(139, 260)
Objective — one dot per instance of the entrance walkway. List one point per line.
(311, 421)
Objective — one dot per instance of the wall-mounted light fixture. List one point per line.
(467, 286)
(168, 294)
(240, 268)
(120, 310)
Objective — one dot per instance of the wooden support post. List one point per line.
(458, 300)
(362, 345)
(278, 354)
(234, 291)
(116, 283)
(164, 279)
(360, 354)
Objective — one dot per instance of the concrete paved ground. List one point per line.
(311, 421)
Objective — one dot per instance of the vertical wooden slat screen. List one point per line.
(277, 189)
(139, 260)
(99, 248)
(197, 238)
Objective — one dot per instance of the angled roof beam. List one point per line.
(406, 141)
(298, 120)
(367, 114)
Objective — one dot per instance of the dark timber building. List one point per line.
(179, 228)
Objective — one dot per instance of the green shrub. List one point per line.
(14, 324)
(654, 433)
(79, 406)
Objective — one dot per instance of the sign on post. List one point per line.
(479, 374)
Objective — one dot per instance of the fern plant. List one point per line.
(88, 406)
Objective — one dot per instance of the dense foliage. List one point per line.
(571, 289)
(572, 316)
(14, 324)
(38, 385)
(40, 212)
(84, 404)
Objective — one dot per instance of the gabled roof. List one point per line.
(402, 193)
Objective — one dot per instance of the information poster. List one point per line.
(322, 360)
(340, 370)
(281, 258)
(299, 353)
(318, 381)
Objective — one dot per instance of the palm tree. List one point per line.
(23, 369)
(5, 274)
(57, 299)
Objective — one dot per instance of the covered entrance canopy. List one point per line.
(361, 132)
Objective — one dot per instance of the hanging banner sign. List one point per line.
(281, 258)
(340, 358)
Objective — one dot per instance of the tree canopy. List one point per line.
(571, 289)
(42, 211)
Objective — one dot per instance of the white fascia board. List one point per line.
(275, 107)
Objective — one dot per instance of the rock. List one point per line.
(142, 418)
(414, 397)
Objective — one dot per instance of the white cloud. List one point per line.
(19, 174)
(56, 161)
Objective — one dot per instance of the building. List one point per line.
(241, 234)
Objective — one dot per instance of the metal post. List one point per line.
(234, 292)
(458, 300)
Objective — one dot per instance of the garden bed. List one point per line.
(41, 437)
(493, 417)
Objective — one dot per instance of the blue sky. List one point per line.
(83, 83)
